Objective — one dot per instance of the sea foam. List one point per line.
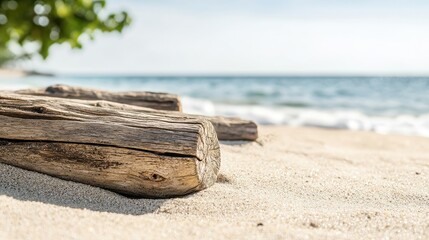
(336, 119)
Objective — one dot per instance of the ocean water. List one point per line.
(380, 104)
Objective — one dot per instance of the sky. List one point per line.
(256, 37)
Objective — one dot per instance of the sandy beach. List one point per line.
(6, 73)
(294, 183)
(11, 73)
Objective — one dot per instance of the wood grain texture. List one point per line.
(233, 129)
(160, 101)
(227, 128)
(140, 154)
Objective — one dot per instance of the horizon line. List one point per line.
(190, 75)
(222, 75)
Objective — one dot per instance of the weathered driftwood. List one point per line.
(227, 128)
(138, 154)
(233, 129)
(160, 101)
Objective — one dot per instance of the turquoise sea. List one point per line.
(380, 104)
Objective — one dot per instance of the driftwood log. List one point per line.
(160, 101)
(143, 155)
(227, 128)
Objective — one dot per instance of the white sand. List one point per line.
(296, 183)
(11, 73)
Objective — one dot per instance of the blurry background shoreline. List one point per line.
(398, 105)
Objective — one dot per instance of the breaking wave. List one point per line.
(292, 116)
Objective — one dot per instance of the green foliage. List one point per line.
(47, 22)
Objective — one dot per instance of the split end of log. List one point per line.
(209, 165)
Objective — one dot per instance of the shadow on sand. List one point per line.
(31, 186)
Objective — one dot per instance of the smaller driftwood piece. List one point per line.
(154, 100)
(137, 154)
(227, 128)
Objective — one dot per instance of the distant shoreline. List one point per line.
(244, 76)
(14, 73)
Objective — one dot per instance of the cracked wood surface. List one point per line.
(139, 154)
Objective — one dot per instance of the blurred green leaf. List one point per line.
(49, 22)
